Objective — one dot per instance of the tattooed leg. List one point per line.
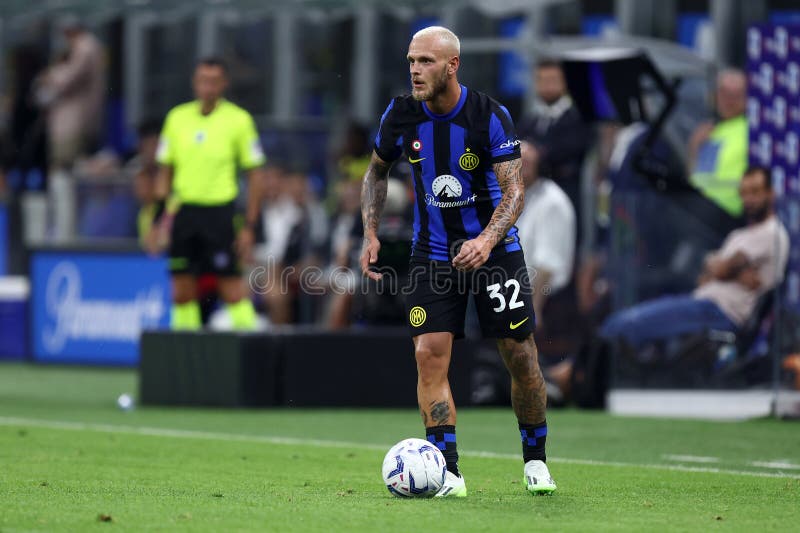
(432, 352)
(528, 391)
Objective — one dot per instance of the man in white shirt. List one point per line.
(750, 262)
(546, 231)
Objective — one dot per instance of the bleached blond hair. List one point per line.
(445, 36)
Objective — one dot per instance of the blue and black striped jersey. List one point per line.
(451, 156)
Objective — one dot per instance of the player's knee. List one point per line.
(431, 363)
(520, 356)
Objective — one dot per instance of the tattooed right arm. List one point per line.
(373, 194)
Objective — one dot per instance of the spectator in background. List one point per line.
(718, 149)
(144, 169)
(313, 235)
(546, 232)
(354, 155)
(278, 243)
(750, 262)
(556, 130)
(345, 236)
(73, 92)
(349, 163)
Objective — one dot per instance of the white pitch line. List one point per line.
(207, 435)
(690, 458)
(782, 465)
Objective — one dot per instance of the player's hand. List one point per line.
(244, 244)
(473, 253)
(369, 256)
(157, 239)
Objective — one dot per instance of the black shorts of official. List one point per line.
(437, 296)
(202, 241)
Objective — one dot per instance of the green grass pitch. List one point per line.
(70, 460)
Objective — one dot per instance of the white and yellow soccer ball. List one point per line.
(414, 468)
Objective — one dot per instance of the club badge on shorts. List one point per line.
(417, 316)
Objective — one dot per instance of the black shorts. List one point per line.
(437, 295)
(202, 241)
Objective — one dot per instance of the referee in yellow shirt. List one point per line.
(202, 145)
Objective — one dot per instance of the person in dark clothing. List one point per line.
(557, 131)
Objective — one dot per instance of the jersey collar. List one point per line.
(199, 107)
(453, 112)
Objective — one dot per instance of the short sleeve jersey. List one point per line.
(451, 157)
(205, 151)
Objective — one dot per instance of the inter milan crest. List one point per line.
(468, 160)
(417, 316)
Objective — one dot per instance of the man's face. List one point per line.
(550, 85)
(209, 83)
(731, 96)
(430, 67)
(756, 196)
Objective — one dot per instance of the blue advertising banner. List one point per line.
(92, 307)
(773, 117)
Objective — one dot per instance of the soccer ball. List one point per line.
(414, 468)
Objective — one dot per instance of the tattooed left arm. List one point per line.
(508, 210)
(476, 251)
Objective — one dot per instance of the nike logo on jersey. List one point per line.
(518, 324)
(410, 160)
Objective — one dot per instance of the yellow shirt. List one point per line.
(205, 151)
(721, 162)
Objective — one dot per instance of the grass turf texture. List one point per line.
(71, 461)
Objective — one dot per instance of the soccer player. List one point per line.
(466, 163)
(201, 145)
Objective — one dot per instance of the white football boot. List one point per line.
(454, 487)
(537, 478)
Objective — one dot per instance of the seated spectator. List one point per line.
(749, 263)
(547, 232)
(718, 150)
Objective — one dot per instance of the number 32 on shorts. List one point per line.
(513, 302)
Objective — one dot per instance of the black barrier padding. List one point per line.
(341, 369)
(205, 369)
(291, 367)
(369, 368)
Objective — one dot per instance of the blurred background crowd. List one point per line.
(85, 87)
